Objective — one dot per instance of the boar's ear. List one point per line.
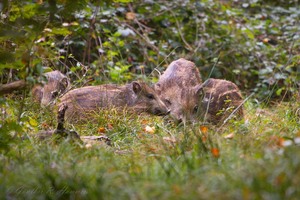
(136, 86)
(199, 90)
(157, 88)
(64, 83)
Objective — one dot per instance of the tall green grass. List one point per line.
(260, 160)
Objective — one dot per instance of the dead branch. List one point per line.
(10, 87)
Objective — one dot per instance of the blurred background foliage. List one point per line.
(254, 43)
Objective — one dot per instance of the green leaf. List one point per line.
(61, 31)
(249, 33)
(279, 91)
(33, 122)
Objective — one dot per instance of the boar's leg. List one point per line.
(60, 130)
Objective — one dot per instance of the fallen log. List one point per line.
(10, 87)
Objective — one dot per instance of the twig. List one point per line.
(214, 66)
(188, 46)
(164, 60)
(146, 39)
(207, 106)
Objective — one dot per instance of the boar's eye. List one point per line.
(195, 109)
(54, 94)
(168, 102)
(150, 96)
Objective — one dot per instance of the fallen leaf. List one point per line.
(101, 130)
(204, 129)
(150, 129)
(144, 122)
(215, 152)
(276, 141)
(280, 142)
(229, 136)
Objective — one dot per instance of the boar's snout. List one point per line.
(161, 111)
(160, 108)
(177, 116)
(183, 118)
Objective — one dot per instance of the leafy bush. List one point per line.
(253, 43)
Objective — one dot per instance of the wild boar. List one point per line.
(212, 101)
(180, 75)
(57, 83)
(136, 96)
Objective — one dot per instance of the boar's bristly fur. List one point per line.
(212, 101)
(137, 96)
(182, 70)
(180, 76)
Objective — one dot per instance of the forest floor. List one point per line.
(151, 158)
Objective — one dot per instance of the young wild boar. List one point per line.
(212, 101)
(180, 75)
(137, 96)
(57, 83)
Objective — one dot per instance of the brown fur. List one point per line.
(137, 96)
(212, 101)
(180, 75)
(57, 83)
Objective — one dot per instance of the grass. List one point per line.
(259, 161)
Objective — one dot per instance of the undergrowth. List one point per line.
(253, 43)
(257, 158)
